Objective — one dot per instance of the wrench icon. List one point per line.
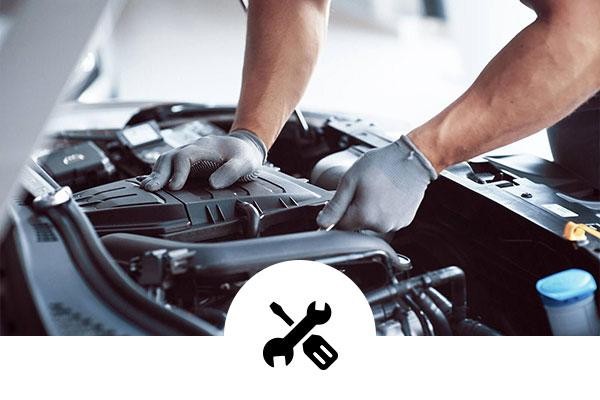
(314, 345)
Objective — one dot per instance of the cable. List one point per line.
(441, 326)
(420, 315)
(442, 302)
(454, 312)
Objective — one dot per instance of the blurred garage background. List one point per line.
(395, 61)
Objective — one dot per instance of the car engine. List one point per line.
(189, 251)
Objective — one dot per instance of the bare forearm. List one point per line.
(541, 76)
(283, 41)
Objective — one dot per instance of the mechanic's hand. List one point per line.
(227, 159)
(381, 191)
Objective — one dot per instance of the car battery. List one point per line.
(79, 166)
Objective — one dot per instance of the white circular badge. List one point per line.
(299, 314)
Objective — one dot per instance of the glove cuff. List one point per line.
(254, 139)
(416, 153)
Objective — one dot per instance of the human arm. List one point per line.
(283, 42)
(282, 45)
(541, 76)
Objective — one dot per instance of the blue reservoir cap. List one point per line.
(566, 287)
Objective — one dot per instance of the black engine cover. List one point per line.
(199, 213)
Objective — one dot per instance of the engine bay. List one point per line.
(477, 236)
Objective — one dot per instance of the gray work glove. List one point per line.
(224, 159)
(381, 191)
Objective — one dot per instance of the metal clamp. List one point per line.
(52, 199)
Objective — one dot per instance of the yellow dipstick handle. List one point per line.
(576, 232)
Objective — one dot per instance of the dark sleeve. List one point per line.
(575, 141)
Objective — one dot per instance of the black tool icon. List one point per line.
(315, 347)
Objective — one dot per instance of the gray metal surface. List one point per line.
(65, 303)
(38, 53)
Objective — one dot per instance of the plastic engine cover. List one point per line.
(198, 212)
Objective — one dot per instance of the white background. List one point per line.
(196, 368)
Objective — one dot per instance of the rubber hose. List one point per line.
(420, 315)
(441, 326)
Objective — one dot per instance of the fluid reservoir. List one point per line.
(568, 298)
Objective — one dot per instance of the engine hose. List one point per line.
(420, 315)
(452, 275)
(212, 315)
(458, 290)
(113, 285)
(464, 327)
(382, 312)
(442, 302)
(441, 326)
